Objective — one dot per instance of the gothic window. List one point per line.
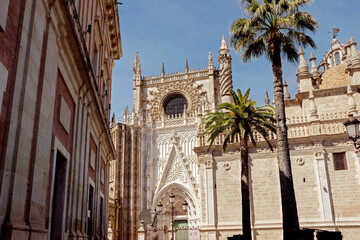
(337, 58)
(174, 104)
(339, 160)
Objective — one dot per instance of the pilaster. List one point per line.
(210, 190)
(323, 182)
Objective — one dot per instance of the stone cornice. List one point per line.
(113, 28)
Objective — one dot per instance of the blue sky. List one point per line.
(169, 31)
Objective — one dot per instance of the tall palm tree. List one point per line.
(241, 118)
(272, 28)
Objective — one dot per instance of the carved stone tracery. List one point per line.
(193, 93)
(176, 172)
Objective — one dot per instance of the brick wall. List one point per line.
(9, 47)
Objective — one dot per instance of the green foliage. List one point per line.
(241, 118)
(272, 21)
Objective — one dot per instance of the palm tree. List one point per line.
(241, 118)
(272, 28)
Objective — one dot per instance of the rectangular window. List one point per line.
(339, 160)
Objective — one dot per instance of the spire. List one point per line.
(137, 70)
(126, 114)
(136, 65)
(355, 55)
(351, 101)
(314, 70)
(162, 70)
(113, 118)
(210, 62)
(225, 72)
(223, 47)
(286, 91)
(303, 66)
(348, 49)
(186, 66)
(313, 108)
(223, 43)
(267, 99)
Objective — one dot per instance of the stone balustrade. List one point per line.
(329, 123)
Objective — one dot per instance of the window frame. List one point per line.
(339, 161)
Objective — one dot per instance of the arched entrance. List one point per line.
(184, 221)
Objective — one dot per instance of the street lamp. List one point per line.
(154, 215)
(185, 207)
(172, 200)
(352, 127)
(159, 207)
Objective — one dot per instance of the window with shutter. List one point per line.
(339, 160)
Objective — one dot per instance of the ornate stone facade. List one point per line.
(324, 164)
(175, 158)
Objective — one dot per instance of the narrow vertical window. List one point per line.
(339, 160)
(337, 58)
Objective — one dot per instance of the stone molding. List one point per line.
(192, 91)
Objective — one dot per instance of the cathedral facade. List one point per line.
(171, 156)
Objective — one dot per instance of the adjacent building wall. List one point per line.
(55, 140)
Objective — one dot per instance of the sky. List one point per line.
(170, 31)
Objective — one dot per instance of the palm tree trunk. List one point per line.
(245, 196)
(288, 201)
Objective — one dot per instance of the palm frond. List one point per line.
(266, 19)
(240, 118)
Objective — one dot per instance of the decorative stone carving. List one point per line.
(351, 101)
(192, 91)
(227, 166)
(209, 163)
(176, 173)
(313, 108)
(317, 145)
(301, 147)
(320, 154)
(286, 91)
(183, 136)
(137, 69)
(303, 68)
(229, 153)
(342, 143)
(161, 162)
(210, 62)
(264, 150)
(300, 161)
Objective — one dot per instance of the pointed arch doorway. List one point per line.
(183, 220)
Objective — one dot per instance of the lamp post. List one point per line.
(172, 201)
(154, 215)
(352, 127)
